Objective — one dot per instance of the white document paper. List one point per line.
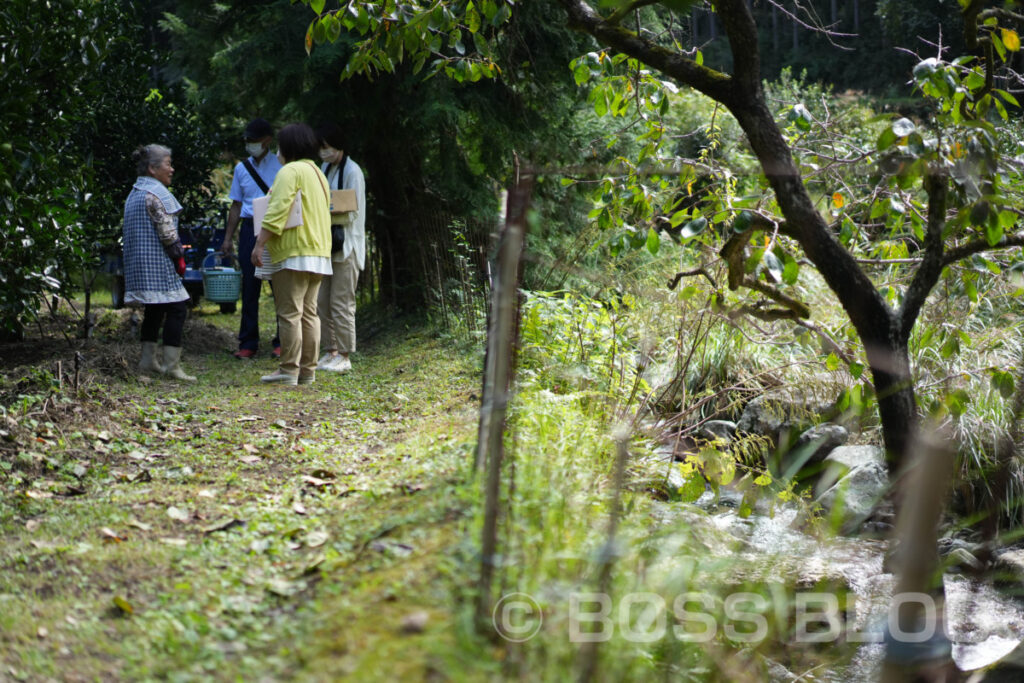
(259, 210)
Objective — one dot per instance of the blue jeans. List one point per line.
(249, 329)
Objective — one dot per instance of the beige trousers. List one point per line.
(295, 296)
(337, 306)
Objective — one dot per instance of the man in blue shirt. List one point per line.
(252, 178)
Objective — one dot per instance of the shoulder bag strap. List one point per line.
(255, 176)
(339, 171)
(327, 195)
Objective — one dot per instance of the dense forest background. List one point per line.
(189, 74)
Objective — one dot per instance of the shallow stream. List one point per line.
(983, 625)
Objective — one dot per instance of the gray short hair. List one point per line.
(146, 156)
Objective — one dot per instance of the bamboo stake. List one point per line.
(497, 380)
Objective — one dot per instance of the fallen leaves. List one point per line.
(316, 482)
(176, 542)
(315, 539)
(415, 622)
(140, 477)
(285, 588)
(123, 606)
(111, 536)
(48, 545)
(223, 524)
(178, 514)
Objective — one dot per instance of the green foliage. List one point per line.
(459, 39)
(41, 181)
(572, 343)
(65, 163)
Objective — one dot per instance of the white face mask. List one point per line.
(254, 149)
(328, 153)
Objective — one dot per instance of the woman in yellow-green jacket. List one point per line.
(299, 255)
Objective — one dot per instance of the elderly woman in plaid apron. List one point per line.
(154, 261)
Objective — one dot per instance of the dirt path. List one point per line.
(226, 530)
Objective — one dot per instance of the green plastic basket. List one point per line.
(221, 284)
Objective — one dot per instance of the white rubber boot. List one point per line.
(149, 364)
(172, 364)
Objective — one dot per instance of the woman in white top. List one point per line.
(337, 302)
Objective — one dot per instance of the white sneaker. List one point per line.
(338, 364)
(280, 378)
(324, 361)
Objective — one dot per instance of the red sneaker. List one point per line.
(276, 353)
(244, 353)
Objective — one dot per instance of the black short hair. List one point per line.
(331, 134)
(298, 141)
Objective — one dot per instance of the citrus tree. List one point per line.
(81, 95)
(47, 68)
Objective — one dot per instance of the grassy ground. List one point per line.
(225, 530)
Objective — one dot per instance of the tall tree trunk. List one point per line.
(889, 360)
(400, 201)
(775, 29)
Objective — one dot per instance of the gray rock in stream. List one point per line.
(1009, 568)
(718, 429)
(815, 444)
(780, 417)
(856, 478)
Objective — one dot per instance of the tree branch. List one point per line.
(827, 340)
(799, 308)
(1000, 13)
(627, 9)
(674, 282)
(766, 314)
(936, 184)
(714, 84)
(978, 246)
